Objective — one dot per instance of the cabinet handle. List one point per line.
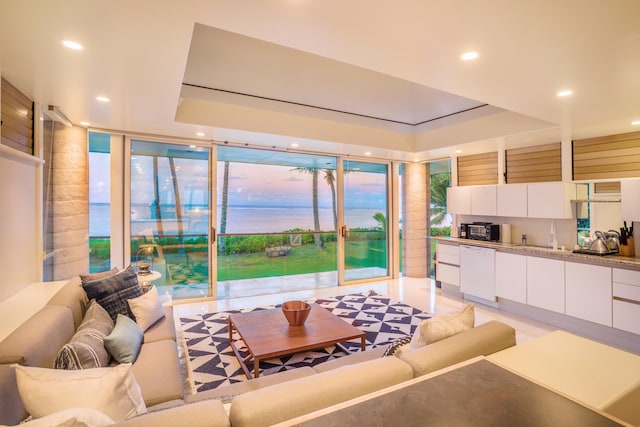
(630, 301)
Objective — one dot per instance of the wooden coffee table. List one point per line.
(267, 334)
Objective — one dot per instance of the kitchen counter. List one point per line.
(629, 263)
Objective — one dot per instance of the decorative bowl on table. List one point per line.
(296, 312)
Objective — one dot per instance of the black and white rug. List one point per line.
(211, 361)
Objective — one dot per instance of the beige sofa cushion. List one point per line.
(298, 397)
(226, 393)
(482, 340)
(207, 413)
(157, 371)
(12, 410)
(37, 341)
(73, 296)
(441, 327)
(163, 329)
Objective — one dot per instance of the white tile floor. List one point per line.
(420, 293)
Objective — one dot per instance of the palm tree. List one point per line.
(330, 178)
(317, 237)
(223, 210)
(439, 184)
(381, 219)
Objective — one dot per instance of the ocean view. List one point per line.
(239, 220)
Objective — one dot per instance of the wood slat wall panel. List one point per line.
(613, 156)
(607, 187)
(478, 169)
(541, 163)
(16, 113)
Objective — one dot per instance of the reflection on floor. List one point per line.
(196, 286)
(420, 293)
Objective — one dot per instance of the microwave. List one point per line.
(480, 231)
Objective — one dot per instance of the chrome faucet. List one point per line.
(553, 242)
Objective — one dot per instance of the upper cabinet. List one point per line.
(459, 200)
(550, 200)
(483, 200)
(630, 192)
(512, 200)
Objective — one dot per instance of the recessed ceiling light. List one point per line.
(367, 153)
(416, 160)
(200, 133)
(635, 122)
(102, 99)
(294, 144)
(564, 93)
(192, 146)
(458, 151)
(85, 123)
(72, 45)
(469, 56)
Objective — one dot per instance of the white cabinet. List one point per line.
(477, 272)
(545, 283)
(630, 193)
(588, 292)
(626, 300)
(511, 277)
(511, 200)
(459, 200)
(550, 200)
(448, 267)
(483, 200)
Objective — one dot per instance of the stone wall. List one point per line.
(415, 210)
(66, 194)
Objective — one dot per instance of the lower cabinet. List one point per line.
(545, 283)
(448, 267)
(511, 277)
(589, 292)
(626, 300)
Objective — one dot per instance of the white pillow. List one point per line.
(441, 327)
(112, 391)
(74, 417)
(147, 308)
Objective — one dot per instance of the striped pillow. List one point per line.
(86, 348)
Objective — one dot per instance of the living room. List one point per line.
(169, 73)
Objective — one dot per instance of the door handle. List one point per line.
(213, 235)
(343, 231)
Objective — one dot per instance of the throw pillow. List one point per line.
(86, 348)
(74, 417)
(125, 340)
(113, 292)
(441, 327)
(98, 275)
(398, 346)
(112, 391)
(147, 309)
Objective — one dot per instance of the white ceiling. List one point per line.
(398, 62)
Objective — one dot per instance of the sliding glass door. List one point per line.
(169, 215)
(366, 219)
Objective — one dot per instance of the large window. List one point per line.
(99, 202)
(439, 219)
(276, 218)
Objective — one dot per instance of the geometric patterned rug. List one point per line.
(211, 361)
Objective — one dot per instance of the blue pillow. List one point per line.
(124, 342)
(113, 292)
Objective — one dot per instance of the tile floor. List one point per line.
(420, 293)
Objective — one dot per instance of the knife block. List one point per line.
(628, 249)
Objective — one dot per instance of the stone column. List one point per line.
(415, 205)
(68, 202)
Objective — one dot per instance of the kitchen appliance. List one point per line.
(480, 231)
(598, 246)
(477, 272)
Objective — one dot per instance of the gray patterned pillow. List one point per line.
(86, 348)
(113, 292)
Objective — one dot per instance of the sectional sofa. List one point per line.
(261, 401)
